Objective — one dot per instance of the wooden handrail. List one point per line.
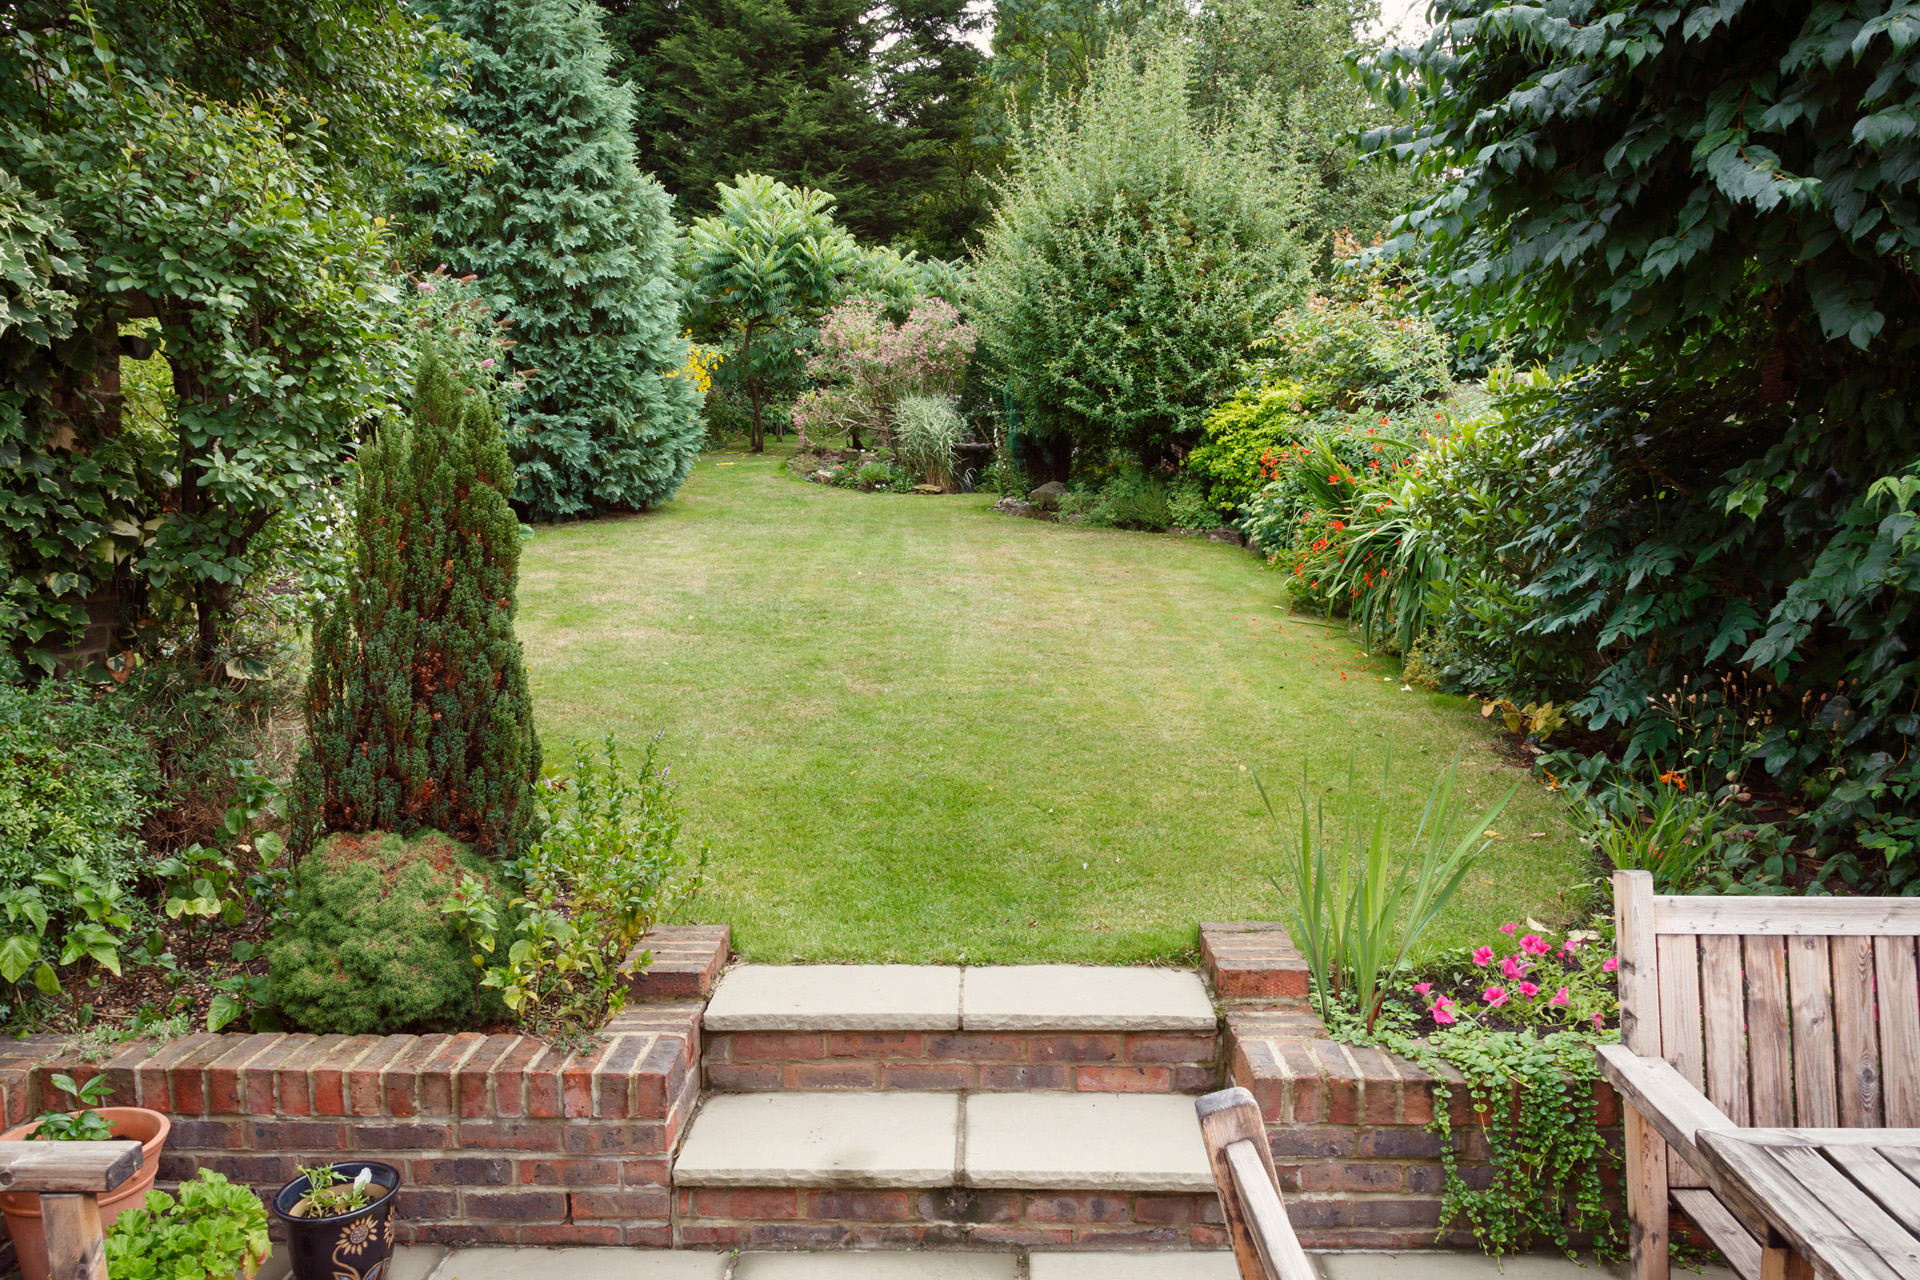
(1264, 1245)
(70, 1177)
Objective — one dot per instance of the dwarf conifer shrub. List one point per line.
(417, 709)
(368, 951)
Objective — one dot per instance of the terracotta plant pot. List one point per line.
(22, 1208)
(347, 1246)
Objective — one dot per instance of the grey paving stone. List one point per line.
(1084, 1142)
(836, 997)
(1080, 997)
(580, 1264)
(823, 1140)
(878, 1265)
(410, 1262)
(1132, 1266)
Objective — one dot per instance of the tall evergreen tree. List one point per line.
(873, 103)
(581, 245)
(417, 708)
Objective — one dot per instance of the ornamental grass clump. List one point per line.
(1360, 908)
(417, 710)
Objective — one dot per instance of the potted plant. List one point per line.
(87, 1123)
(213, 1231)
(340, 1220)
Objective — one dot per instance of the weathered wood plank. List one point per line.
(1734, 1242)
(1639, 992)
(1905, 1159)
(1279, 1248)
(1856, 1033)
(1682, 1039)
(1740, 1168)
(1786, 917)
(1898, 986)
(1228, 1117)
(94, 1167)
(1815, 1093)
(1652, 1087)
(1873, 1174)
(1831, 1137)
(1863, 1216)
(1769, 1042)
(76, 1245)
(1722, 990)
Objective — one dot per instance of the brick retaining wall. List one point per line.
(973, 1061)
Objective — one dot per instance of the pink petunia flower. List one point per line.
(1508, 928)
(1613, 962)
(1422, 987)
(1560, 998)
(1513, 967)
(1596, 1022)
(1495, 996)
(1528, 991)
(1442, 1011)
(1534, 945)
(1483, 957)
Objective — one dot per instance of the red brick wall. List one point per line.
(975, 1061)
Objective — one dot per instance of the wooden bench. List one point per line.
(1264, 1245)
(70, 1178)
(1741, 1013)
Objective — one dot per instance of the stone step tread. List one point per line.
(1087, 998)
(1005, 1141)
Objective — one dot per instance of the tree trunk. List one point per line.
(757, 436)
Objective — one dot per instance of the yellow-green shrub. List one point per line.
(1240, 450)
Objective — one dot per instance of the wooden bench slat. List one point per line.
(1769, 1037)
(76, 1243)
(1815, 1094)
(1230, 1118)
(1898, 983)
(93, 1167)
(1813, 1229)
(1856, 1037)
(1734, 1242)
(1726, 1027)
(1786, 917)
(1862, 1215)
(1896, 1193)
(1280, 1250)
(1682, 1040)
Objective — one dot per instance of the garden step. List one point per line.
(867, 1170)
(1024, 1027)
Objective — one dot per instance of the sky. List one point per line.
(1410, 16)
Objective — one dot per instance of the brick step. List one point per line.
(862, 1170)
(985, 1029)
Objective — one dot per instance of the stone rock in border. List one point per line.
(1047, 496)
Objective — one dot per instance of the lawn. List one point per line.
(914, 729)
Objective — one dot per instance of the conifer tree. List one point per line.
(417, 708)
(579, 244)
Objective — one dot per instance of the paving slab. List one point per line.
(1440, 1264)
(879, 1265)
(410, 1262)
(1080, 997)
(823, 1140)
(836, 997)
(1132, 1266)
(580, 1264)
(1084, 1142)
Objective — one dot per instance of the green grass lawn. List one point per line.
(917, 730)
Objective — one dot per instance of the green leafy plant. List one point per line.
(606, 869)
(214, 1230)
(1665, 829)
(1360, 909)
(84, 1124)
(1527, 978)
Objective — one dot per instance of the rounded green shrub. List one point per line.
(368, 951)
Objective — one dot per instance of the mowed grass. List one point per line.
(917, 730)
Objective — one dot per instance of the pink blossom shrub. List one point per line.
(864, 364)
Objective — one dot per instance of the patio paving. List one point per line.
(644, 1264)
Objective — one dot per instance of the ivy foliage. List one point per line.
(205, 168)
(1708, 209)
(579, 245)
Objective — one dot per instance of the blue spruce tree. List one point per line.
(579, 246)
